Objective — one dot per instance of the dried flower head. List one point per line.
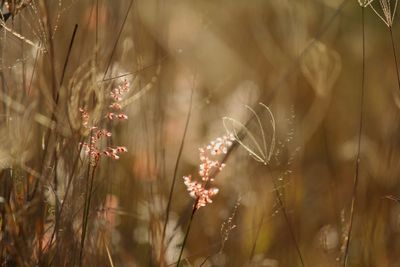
(207, 170)
(261, 152)
(388, 12)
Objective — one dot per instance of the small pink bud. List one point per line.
(110, 115)
(115, 106)
(122, 116)
(121, 149)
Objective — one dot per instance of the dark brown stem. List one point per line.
(89, 192)
(171, 191)
(53, 116)
(289, 226)
(253, 247)
(117, 40)
(187, 232)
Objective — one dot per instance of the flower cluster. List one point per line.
(93, 147)
(208, 168)
(117, 94)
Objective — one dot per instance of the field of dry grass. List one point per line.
(199, 133)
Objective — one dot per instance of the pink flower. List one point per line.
(207, 168)
(92, 149)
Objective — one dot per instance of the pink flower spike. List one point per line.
(207, 167)
(92, 146)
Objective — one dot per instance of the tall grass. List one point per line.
(106, 107)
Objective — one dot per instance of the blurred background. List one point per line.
(193, 63)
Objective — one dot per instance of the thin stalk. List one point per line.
(289, 226)
(89, 191)
(57, 202)
(394, 56)
(117, 40)
(204, 261)
(33, 72)
(287, 221)
(97, 33)
(357, 170)
(84, 40)
(67, 58)
(187, 233)
(253, 248)
(63, 203)
(171, 191)
(75, 164)
(6, 192)
(23, 74)
(53, 116)
(57, 212)
(110, 260)
(48, 136)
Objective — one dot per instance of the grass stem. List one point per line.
(360, 128)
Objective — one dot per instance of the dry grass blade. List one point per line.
(21, 37)
(109, 255)
(20, 109)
